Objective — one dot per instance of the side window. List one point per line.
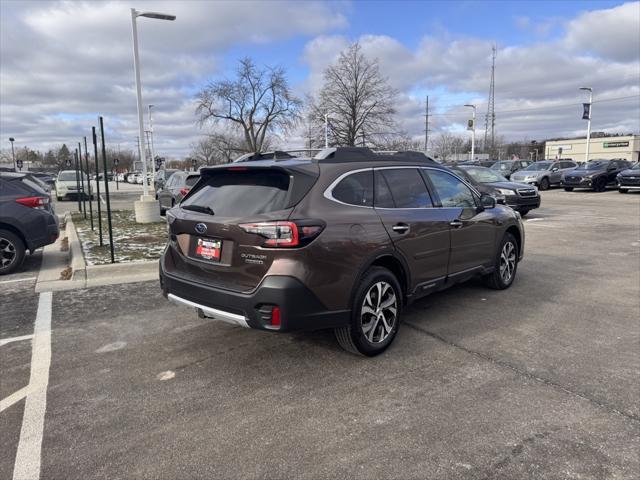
(355, 189)
(452, 192)
(406, 189)
(383, 197)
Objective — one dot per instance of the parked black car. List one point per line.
(519, 196)
(27, 219)
(629, 179)
(595, 175)
(176, 189)
(507, 167)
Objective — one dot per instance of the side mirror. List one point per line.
(555, 169)
(487, 201)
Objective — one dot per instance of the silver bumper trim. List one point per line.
(211, 312)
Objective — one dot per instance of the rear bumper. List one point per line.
(300, 309)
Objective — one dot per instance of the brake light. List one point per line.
(284, 234)
(237, 169)
(33, 202)
(184, 191)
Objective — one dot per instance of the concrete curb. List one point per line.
(84, 275)
(78, 265)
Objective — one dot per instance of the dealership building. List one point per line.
(627, 147)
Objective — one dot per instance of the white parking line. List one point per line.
(103, 200)
(4, 341)
(27, 464)
(13, 398)
(17, 280)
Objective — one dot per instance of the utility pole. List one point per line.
(490, 119)
(326, 131)
(426, 126)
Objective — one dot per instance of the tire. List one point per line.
(377, 287)
(497, 280)
(568, 189)
(600, 185)
(544, 184)
(623, 190)
(59, 198)
(523, 212)
(11, 252)
(163, 212)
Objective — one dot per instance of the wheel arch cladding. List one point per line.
(513, 230)
(395, 266)
(15, 231)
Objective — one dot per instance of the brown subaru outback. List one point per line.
(343, 240)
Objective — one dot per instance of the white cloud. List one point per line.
(536, 85)
(64, 63)
(612, 34)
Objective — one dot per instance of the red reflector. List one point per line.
(184, 191)
(33, 202)
(275, 317)
(237, 169)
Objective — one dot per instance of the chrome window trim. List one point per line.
(328, 193)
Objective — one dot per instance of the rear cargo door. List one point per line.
(213, 244)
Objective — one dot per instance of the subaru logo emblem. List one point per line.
(201, 227)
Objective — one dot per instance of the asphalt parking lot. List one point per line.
(539, 381)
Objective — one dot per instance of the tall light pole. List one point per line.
(13, 154)
(153, 153)
(136, 65)
(326, 130)
(586, 154)
(473, 131)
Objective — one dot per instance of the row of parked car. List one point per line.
(597, 174)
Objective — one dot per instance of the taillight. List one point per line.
(284, 234)
(184, 191)
(33, 202)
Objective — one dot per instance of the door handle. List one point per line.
(400, 228)
(456, 223)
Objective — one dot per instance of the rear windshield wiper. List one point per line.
(199, 208)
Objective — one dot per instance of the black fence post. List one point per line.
(95, 154)
(84, 195)
(77, 181)
(86, 162)
(106, 190)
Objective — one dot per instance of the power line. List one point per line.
(550, 107)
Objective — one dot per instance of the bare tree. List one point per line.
(258, 101)
(357, 99)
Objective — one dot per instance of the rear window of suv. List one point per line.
(240, 194)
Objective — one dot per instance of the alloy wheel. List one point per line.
(7, 252)
(507, 262)
(379, 312)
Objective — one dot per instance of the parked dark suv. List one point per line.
(344, 240)
(595, 175)
(27, 219)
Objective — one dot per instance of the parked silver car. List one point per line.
(544, 174)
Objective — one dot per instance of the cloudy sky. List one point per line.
(64, 63)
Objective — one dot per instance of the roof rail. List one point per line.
(356, 154)
(276, 155)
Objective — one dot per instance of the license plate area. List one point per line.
(206, 249)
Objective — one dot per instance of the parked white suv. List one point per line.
(67, 185)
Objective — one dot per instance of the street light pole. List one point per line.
(326, 130)
(473, 132)
(153, 153)
(13, 154)
(586, 155)
(147, 209)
